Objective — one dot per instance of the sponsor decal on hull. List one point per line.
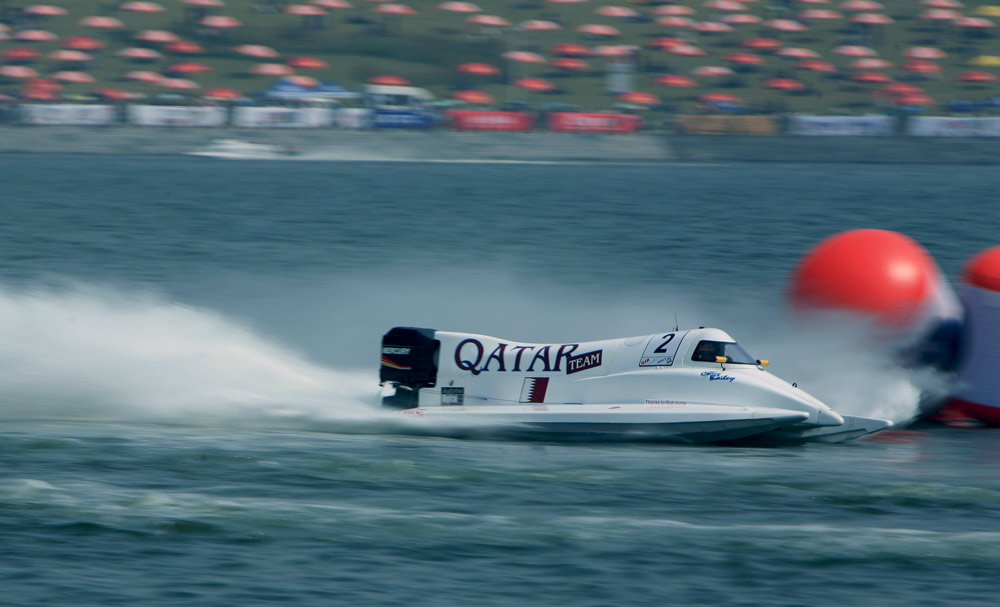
(470, 355)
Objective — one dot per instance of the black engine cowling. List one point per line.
(409, 362)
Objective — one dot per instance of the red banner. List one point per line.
(594, 123)
(473, 120)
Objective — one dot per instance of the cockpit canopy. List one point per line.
(710, 351)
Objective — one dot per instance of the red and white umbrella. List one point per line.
(975, 76)
(621, 12)
(793, 52)
(272, 69)
(220, 21)
(872, 19)
(143, 76)
(870, 63)
(457, 6)
(222, 94)
(597, 29)
(786, 25)
(924, 52)
(665, 42)
(820, 14)
(539, 25)
(395, 9)
(188, 67)
(763, 44)
(941, 3)
(570, 49)
(20, 53)
(921, 66)
(101, 22)
(569, 64)
(256, 50)
(686, 50)
(538, 85)
(816, 65)
(157, 36)
(876, 77)
(740, 19)
(184, 47)
(639, 98)
(45, 10)
(138, 52)
(34, 35)
(854, 50)
(112, 94)
(861, 5)
(940, 14)
(389, 79)
(207, 3)
(712, 71)
(712, 27)
(81, 43)
(523, 57)
(305, 10)
(725, 5)
(493, 20)
(784, 84)
(675, 22)
(70, 55)
(304, 81)
(478, 69)
(17, 71)
(675, 80)
(720, 97)
(613, 50)
(178, 83)
(139, 6)
(72, 76)
(333, 3)
(308, 63)
(974, 22)
(473, 96)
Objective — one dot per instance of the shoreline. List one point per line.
(483, 146)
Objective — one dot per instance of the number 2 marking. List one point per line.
(661, 349)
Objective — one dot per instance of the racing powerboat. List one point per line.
(244, 150)
(693, 386)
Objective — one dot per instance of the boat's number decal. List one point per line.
(661, 349)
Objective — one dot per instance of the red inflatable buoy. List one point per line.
(881, 274)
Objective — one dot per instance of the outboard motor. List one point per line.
(409, 363)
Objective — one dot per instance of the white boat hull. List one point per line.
(689, 423)
(696, 385)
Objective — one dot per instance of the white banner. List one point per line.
(841, 125)
(949, 126)
(78, 114)
(283, 117)
(176, 115)
(354, 118)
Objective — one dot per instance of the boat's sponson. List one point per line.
(432, 368)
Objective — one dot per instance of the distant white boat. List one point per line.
(238, 148)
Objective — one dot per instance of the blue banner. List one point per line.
(402, 119)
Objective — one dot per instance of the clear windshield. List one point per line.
(707, 351)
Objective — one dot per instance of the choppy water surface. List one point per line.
(188, 379)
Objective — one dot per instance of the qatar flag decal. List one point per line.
(534, 389)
